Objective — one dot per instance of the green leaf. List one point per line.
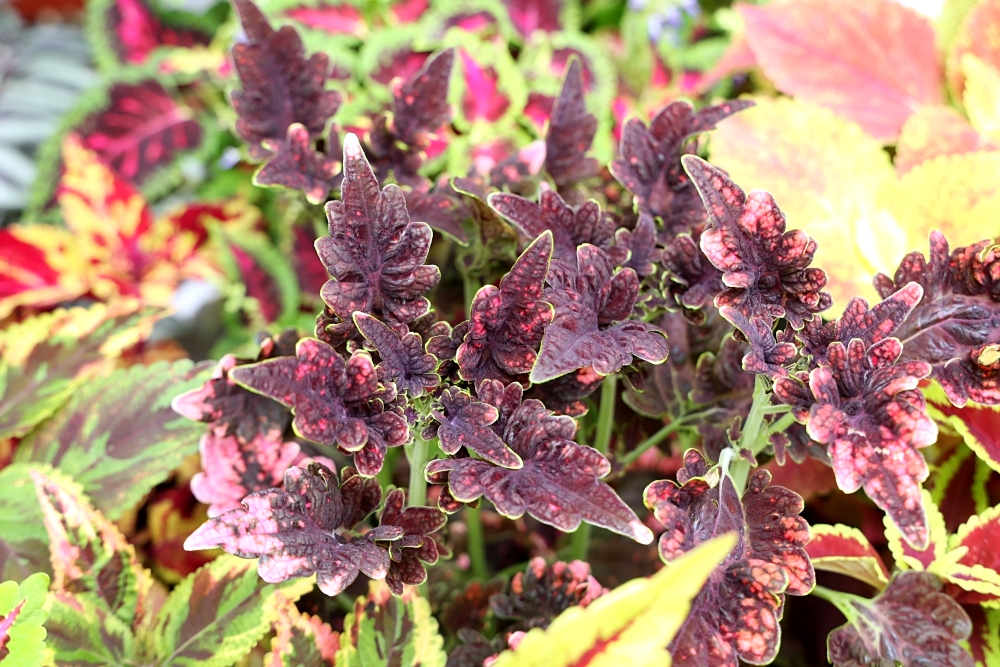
(632, 625)
(301, 640)
(384, 630)
(216, 615)
(82, 632)
(22, 613)
(117, 435)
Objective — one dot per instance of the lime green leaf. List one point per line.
(81, 632)
(22, 613)
(216, 615)
(982, 95)
(117, 435)
(632, 625)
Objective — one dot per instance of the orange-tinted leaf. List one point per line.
(847, 551)
(33, 269)
(933, 131)
(301, 640)
(871, 61)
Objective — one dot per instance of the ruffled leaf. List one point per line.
(421, 102)
(767, 356)
(417, 546)
(298, 165)
(301, 640)
(542, 592)
(466, 422)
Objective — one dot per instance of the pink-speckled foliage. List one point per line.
(417, 546)
(571, 132)
(298, 165)
(544, 591)
(402, 359)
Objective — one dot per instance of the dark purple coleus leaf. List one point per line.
(298, 165)
(721, 382)
(643, 253)
(544, 591)
(417, 546)
(591, 327)
(692, 281)
(531, 15)
(308, 269)
(139, 31)
(231, 409)
(767, 356)
(421, 102)
(465, 422)
(650, 166)
(374, 253)
(401, 359)
(870, 414)
(564, 394)
(140, 130)
(335, 402)
(570, 226)
(303, 529)
(765, 269)
(911, 622)
(735, 616)
(955, 327)
(438, 207)
(571, 132)
(506, 323)
(280, 86)
(559, 482)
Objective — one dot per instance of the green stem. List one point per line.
(844, 602)
(417, 456)
(470, 286)
(782, 424)
(661, 435)
(475, 543)
(751, 438)
(580, 542)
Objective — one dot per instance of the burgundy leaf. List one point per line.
(531, 15)
(571, 132)
(298, 531)
(584, 331)
(298, 165)
(421, 102)
(374, 253)
(870, 414)
(765, 269)
(640, 243)
(559, 481)
(140, 130)
(401, 359)
(911, 622)
(650, 166)
(955, 327)
(694, 280)
(506, 323)
(466, 422)
(737, 612)
(139, 32)
(417, 545)
(280, 85)
(570, 226)
(767, 356)
(309, 270)
(563, 395)
(439, 209)
(334, 402)
(544, 591)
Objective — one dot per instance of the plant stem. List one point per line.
(661, 435)
(475, 543)
(580, 542)
(470, 286)
(842, 601)
(751, 437)
(417, 456)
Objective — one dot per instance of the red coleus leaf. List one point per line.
(955, 326)
(570, 226)
(737, 612)
(911, 622)
(417, 546)
(559, 482)
(280, 85)
(544, 591)
(421, 102)
(765, 269)
(693, 279)
(583, 332)
(846, 550)
(339, 19)
(465, 422)
(374, 253)
(334, 402)
(531, 15)
(303, 529)
(650, 166)
(872, 417)
(141, 129)
(483, 100)
(571, 132)
(298, 165)
(506, 323)
(563, 395)
(767, 356)
(139, 31)
(232, 470)
(401, 359)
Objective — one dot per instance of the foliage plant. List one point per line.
(509, 365)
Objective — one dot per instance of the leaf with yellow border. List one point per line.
(846, 550)
(982, 95)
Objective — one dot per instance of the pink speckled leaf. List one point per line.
(298, 165)
(571, 132)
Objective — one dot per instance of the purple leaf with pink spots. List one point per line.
(418, 544)
(571, 133)
(402, 360)
(299, 166)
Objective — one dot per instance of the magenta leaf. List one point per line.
(765, 269)
(544, 591)
(139, 32)
(767, 356)
(335, 402)
(591, 327)
(872, 417)
(570, 226)
(303, 529)
(650, 166)
(559, 482)
(374, 253)
(465, 422)
(531, 15)
(911, 622)
(280, 85)
(737, 612)
(140, 130)
(954, 327)
(483, 99)
(417, 546)
(506, 323)
(401, 359)
(298, 165)
(571, 132)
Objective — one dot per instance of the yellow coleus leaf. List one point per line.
(632, 625)
(824, 172)
(936, 130)
(981, 97)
